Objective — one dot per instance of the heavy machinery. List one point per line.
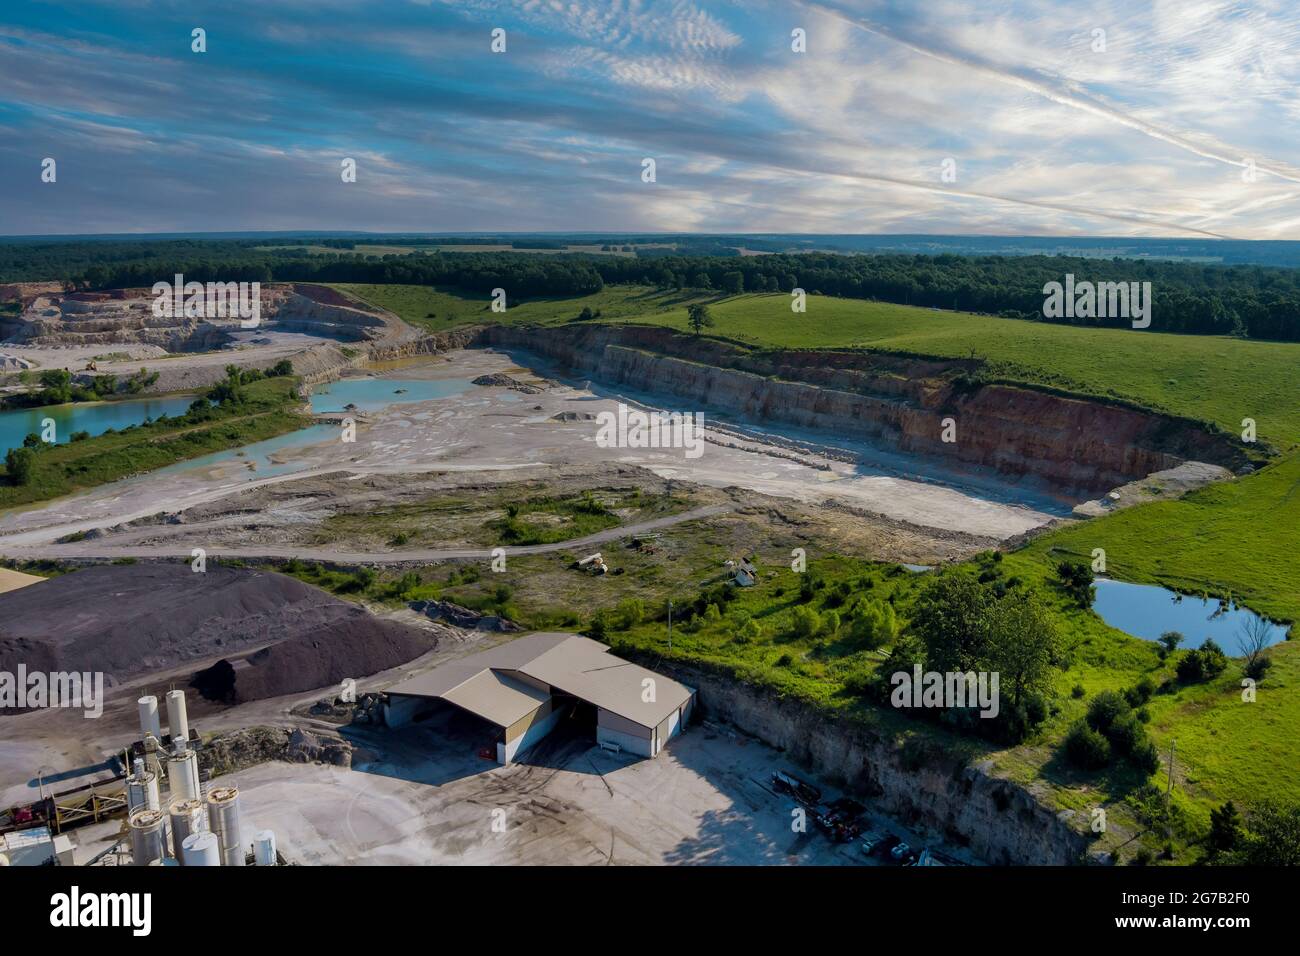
(792, 786)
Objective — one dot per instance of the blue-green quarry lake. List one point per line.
(93, 417)
(373, 394)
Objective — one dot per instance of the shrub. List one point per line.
(1141, 692)
(19, 463)
(1257, 668)
(1205, 663)
(1086, 748)
(830, 623)
(630, 612)
(874, 625)
(1077, 691)
(1145, 757)
(1106, 708)
(1126, 735)
(805, 622)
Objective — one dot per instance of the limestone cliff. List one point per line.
(1078, 446)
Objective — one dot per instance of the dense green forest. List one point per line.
(1255, 301)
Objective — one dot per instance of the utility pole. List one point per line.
(670, 625)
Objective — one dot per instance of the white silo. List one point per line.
(201, 849)
(264, 848)
(183, 773)
(149, 724)
(223, 820)
(142, 789)
(148, 837)
(186, 817)
(178, 724)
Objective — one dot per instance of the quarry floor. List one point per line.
(500, 430)
(424, 797)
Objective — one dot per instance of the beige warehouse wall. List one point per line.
(520, 726)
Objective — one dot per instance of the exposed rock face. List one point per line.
(997, 820)
(1080, 447)
(125, 316)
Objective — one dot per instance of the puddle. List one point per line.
(259, 453)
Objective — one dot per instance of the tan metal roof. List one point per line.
(496, 697)
(568, 663)
(586, 669)
(508, 656)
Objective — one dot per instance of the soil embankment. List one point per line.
(1077, 446)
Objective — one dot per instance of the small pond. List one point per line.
(1147, 611)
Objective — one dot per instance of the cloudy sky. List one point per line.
(1167, 118)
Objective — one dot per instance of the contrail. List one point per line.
(1073, 97)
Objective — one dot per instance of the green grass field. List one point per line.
(1235, 539)
(1217, 379)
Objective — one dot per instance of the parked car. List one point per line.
(884, 846)
(900, 851)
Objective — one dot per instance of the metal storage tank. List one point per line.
(148, 837)
(178, 724)
(264, 848)
(186, 817)
(201, 849)
(223, 819)
(149, 724)
(142, 789)
(183, 773)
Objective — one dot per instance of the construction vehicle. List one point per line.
(805, 793)
(841, 819)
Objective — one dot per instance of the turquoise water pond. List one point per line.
(373, 394)
(93, 417)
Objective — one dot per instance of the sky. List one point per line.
(1007, 117)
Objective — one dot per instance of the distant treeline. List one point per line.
(1254, 301)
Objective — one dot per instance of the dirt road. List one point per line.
(114, 549)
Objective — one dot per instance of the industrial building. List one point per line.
(525, 687)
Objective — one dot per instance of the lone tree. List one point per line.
(697, 316)
(1253, 637)
(1169, 642)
